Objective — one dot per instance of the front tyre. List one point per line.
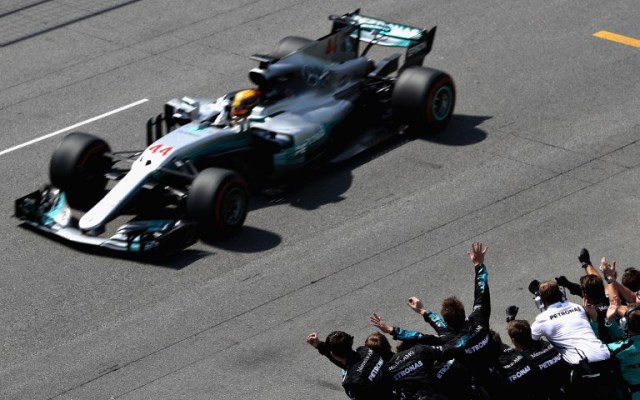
(78, 167)
(218, 201)
(424, 98)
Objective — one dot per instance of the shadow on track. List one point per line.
(327, 184)
(249, 240)
(462, 131)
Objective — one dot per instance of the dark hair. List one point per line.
(592, 287)
(550, 292)
(379, 343)
(453, 313)
(633, 321)
(340, 343)
(631, 279)
(519, 331)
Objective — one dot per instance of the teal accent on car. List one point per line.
(440, 115)
(298, 155)
(197, 130)
(48, 218)
(395, 35)
(154, 226)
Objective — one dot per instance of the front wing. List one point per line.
(47, 211)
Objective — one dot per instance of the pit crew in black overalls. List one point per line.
(552, 368)
(363, 369)
(471, 335)
(417, 373)
(452, 379)
(520, 376)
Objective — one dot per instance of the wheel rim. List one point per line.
(233, 206)
(442, 101)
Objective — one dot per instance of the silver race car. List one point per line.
(313, 101)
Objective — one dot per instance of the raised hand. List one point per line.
(379, 323)
(476, 254)
(612, 311)
(608, 269)
(416, 305)
(312, 339)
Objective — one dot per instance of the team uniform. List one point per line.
(363, 375)
(452, 378)
(627, 353)
(602, 332)
(455, 381)
(477, 352)
(552, 369)
(566, 326)
(601, 308)
(520, 377)
(416, 374)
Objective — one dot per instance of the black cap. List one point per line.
(533, 286)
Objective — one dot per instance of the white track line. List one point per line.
(36, 140)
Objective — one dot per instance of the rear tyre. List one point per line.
(424, 98)
(218, 201)
(288, 45)
(78, 167)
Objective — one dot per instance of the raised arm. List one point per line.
(482, 299)
(402, 334)
(585, 261)
(572, 287)
(313, 340)
(432, 318)
(614, 288)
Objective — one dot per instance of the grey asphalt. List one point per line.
(541, 159)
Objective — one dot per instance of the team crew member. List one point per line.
(520, 377)
(566, 326)
(626, 351)
(631, 280)
(363, 368)
(471, 335)
(378, 342)
(452, 379)
(417, 374)
(553, 370)
(399, 333)
(594, 293)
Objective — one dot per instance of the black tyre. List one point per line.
(424, 98)
(288, 45)
(218, 201)
(78, 167)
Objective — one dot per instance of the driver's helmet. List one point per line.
(244, 101)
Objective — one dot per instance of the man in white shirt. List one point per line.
(566, 326)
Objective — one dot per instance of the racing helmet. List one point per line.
(244, 101)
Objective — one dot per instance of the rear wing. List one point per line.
(418, 42)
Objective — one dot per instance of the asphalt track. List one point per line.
(541, 159)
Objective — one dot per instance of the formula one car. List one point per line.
(313, 101)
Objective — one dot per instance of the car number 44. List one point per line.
(160, 149)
